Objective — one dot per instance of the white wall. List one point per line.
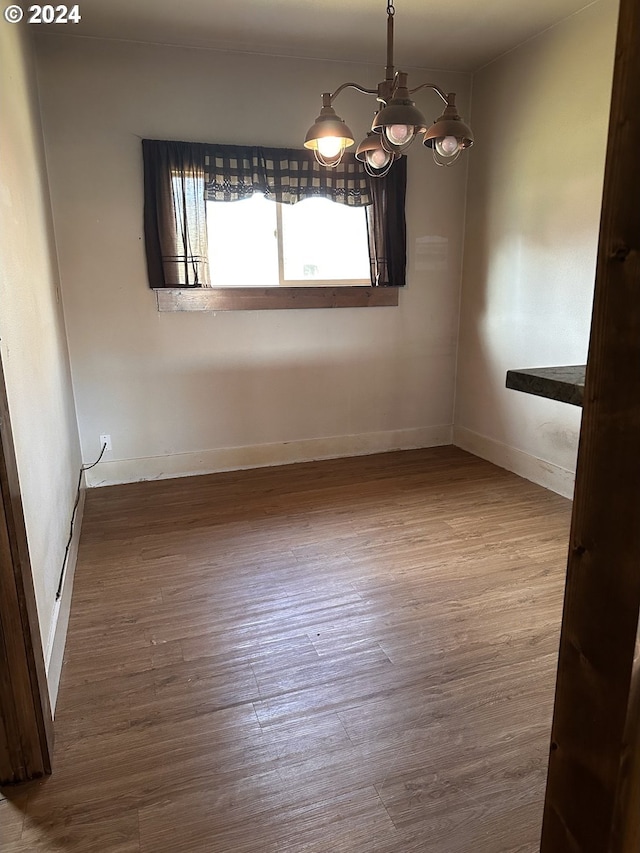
(540, 115)
(33, 342)
(183, 393)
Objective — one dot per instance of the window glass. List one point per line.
(243, 243)
(324, 241)
(259, 243)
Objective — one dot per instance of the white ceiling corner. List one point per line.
(456, 35)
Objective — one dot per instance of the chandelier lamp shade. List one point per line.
(328, 136)
(395, 126)
(377, 160)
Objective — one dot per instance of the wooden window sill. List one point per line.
(268, 298)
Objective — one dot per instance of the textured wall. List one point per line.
(540, 115)
(33, 340)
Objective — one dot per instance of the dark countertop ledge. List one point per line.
(565, 384)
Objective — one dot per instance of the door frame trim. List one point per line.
(26, 722)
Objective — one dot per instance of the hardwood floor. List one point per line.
(350, 656)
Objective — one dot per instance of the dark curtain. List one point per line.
(175, 214)
(387, 227)
(180, 177)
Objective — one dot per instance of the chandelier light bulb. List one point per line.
(378, 158)
(330, 146)
(447, 146)
(399, 134)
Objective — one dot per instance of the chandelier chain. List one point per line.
(391, 9)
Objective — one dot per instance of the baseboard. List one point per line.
(54, 652)
(263, 455)
(553, 477)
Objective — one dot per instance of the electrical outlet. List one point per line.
(105, 439)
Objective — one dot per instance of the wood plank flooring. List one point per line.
(349, 656)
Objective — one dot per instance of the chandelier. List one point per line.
(395, 126)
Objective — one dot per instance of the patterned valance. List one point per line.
(285, 175)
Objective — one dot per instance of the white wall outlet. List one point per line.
(105, 439)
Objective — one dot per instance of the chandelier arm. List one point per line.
(356, 86)
(435, 88)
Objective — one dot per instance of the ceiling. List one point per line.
(458, 35)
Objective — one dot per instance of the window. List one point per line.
(315, 241)
(243, 221)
